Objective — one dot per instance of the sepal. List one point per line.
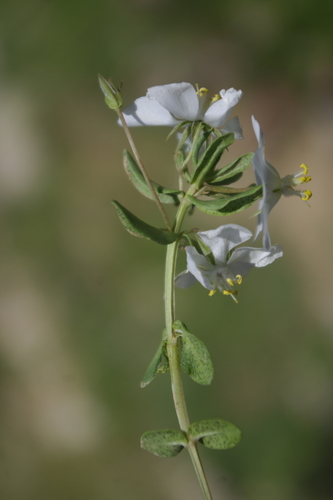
(141, 229)
(215, 434)
(195, 358)
(165, 195)
(164, 443)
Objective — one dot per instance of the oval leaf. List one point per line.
(215, 434)
(195, 358)
(137, 227)
(165, 443)
(134, 173)
(211, 157)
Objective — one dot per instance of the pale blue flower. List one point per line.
(273, 186)
(227, 268)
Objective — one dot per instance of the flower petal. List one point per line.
(201, 268)
(243, 259)
(223, 239)
(185, 280)
(275, 252)
(234, 126)
(144, 111)
(217, 114)
(180, 99)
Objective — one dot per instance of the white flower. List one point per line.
(226, 270)
(175, 103)
(273, 186)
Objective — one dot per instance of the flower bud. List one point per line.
(112, 95)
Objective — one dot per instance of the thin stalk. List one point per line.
(173, 347)
(142, 168)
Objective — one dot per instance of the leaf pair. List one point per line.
(195, 358)
(215, 434)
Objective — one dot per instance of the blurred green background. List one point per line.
(81, 301)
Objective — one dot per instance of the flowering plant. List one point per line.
(216, 258)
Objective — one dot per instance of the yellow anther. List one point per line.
(216, 97)
(304, 179)
(230, 282)
(211, 293)
(202, 91)
(305, 168)
(306, 195)
(239, 279)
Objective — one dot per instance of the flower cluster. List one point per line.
(216, 263)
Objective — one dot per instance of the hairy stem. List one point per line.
(173, 347)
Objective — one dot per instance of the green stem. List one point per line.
(173, 347)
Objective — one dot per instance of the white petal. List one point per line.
(234, 126)
(180, 99)
(243, 259)
(258, 132)
(144, 111)
(217, 114)
(185, 280)
(200, 267)
(275, 252)
(223, 239)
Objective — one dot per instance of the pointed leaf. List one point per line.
(153, 368)
(137, 227)
(211, 157)
(165, 443)
(195, 358)
(228, 204)
(233, 170)
(197, 146)
(215, 434)
(165, 195)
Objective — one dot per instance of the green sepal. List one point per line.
(195, 358)
(206, 250)
(137, 227)
(228, 204)
(177, 127)
(232, 172)
(155, 365)
(215, 434)
(165, 443)
(135, 175)
(211, 157)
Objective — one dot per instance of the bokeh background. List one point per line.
(81, 301)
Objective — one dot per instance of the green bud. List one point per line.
(112, 95)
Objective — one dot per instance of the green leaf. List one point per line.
(228, 204)
(215, 434)
(233, 171)
(154, 366)
(137, 227)
(195, 358)
(134, 173)
(165, 443)
(211, 157)
(197, 146)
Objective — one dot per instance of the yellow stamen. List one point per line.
(239, 279)
(216, 97)
(232, 293)
(305, 168)
(306, 195)
(230, 282)
(202, 91)
(211, 293)
(304, 179)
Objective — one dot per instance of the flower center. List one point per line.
(289, 182)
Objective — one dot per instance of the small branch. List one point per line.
(142, 168)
